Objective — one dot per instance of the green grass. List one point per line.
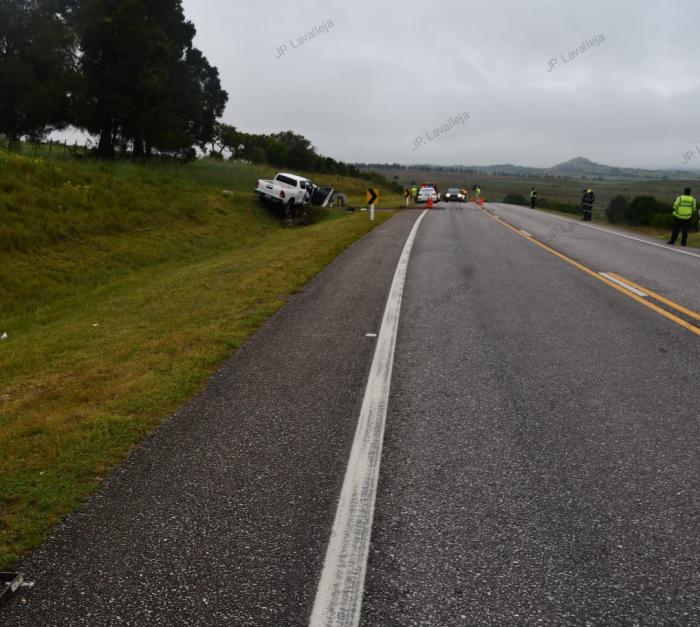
(660, 234)
(122, 291)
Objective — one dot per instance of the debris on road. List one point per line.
(9, 584)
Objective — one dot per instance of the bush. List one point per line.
(642, 211)
(661, 221)
(187, 155)
(515, 199)
(643, 208)
(558, 205)
(618, 210)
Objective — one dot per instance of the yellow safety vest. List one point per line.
(683, 207)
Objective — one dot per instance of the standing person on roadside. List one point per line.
(683, 210)
(533, 197)
(477, 193)
(587, 204)
(414, 192)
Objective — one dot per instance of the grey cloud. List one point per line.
(387, 71)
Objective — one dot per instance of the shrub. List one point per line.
(558, 205)
(618, 210)
(643, 208)
(515, 199)
(661, 221)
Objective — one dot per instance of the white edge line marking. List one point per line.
(524, 232)
(339, 594)
(629, 288)
(667, 247)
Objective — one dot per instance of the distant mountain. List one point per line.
(577, 168)
(585, 168)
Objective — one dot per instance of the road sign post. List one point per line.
(372, 197)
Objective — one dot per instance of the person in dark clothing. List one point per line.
(533, 198)
(587, 204)
(683, 210)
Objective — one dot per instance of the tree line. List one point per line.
(282, 150)
(125, 71)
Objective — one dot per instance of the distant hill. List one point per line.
(581, 167)
(577, 168)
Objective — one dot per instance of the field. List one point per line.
(494, 188)
(123, 287)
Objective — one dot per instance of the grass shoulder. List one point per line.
(656, 233)
(116, 317)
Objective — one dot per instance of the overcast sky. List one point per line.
(387, 72)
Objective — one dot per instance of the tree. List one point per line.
(210, 99)
(225, 137)
(36, 68)
(143, 81)
(253, 148)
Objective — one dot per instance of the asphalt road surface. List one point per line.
(540, 461)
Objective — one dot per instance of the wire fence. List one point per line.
(48, 148)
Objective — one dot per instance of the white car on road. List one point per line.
(425, 193)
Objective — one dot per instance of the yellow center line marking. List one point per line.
(662, 299)
(603, 279)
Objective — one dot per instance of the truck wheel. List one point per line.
(339, 201)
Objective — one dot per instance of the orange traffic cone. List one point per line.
(429, 204)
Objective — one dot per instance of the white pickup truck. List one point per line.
(287, 189)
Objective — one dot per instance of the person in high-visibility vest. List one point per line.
(683, 209)
(477, 193)
(414, 192)
(533, 198)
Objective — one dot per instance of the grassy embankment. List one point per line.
(122, 287)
